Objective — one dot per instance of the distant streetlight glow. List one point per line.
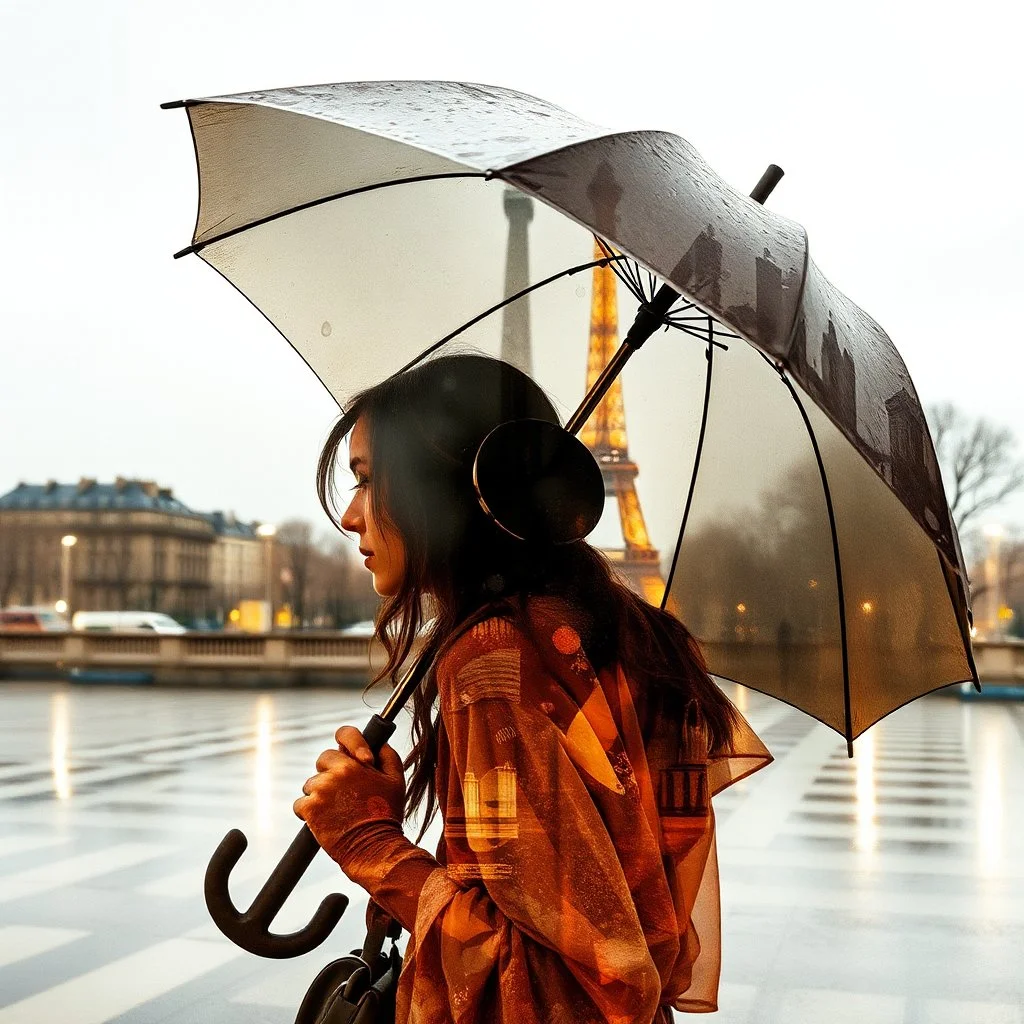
(267, 532)
(993, 621)
(60, 743)
(741, 608)
(263, 775)
(68, 541)
(867, 804)
(867, 607)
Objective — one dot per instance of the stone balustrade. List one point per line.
(196, 658)
(285, 657)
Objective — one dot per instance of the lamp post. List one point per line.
(67, 542)
(267, 532)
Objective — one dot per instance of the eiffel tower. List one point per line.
(515, 326)
(605, 435)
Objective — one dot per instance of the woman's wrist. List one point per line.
(379, 857)
(367, 845)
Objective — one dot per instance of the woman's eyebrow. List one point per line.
(357, 461)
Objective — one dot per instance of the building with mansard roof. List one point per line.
(237, 563)
(136, 546)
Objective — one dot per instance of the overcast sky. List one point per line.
(897, 125)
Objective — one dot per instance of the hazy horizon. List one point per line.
(895, 135)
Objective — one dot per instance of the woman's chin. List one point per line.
(384, 588)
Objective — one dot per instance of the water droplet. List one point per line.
(325, 328)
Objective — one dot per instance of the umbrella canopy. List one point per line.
(794, 475)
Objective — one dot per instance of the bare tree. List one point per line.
(295, 544)
(344, 589)
(1008, 566)
(979, 461)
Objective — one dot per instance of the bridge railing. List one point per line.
(295, 654)
(205, 655)
(1000, 661)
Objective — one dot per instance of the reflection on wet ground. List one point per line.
(885, 889)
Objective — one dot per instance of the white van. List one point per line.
(125, 622)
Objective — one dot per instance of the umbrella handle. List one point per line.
(251, 929)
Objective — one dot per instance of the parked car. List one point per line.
(34, 619)
(125, 622)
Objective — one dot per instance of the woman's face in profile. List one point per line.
(380, 544)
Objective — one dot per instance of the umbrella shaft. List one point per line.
(648, 319)
(601, 386)
(407, 686)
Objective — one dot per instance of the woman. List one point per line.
(576, 739)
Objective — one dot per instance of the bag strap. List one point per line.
(390, 977)
(381, 926)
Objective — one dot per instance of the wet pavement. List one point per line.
(884, 890)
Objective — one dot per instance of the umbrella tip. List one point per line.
(763, 189)
(172, 104)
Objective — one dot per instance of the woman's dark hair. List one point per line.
(424, 428)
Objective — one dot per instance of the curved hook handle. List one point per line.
(251, 929)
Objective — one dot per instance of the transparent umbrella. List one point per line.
(788, 460)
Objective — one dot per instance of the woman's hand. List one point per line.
(349, 794)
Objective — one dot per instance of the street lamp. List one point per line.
(67, 542)
(267, 532)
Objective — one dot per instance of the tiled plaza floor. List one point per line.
(884, 890)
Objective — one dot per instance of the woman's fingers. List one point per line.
(350, 739)
(331, 760)
(390, 762)
(350, 767)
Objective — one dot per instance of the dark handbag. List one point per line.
(359, 988)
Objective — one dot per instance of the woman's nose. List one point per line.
(352, 517)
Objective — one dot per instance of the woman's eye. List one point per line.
(361, 483)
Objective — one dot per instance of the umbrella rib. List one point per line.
(625, 271)
(628, 272)
(708, 335)
(702, 335)
(568, 272)
(197, 247)
(835, 554)
(710, 356)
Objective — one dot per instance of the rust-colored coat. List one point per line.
(559, 892)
